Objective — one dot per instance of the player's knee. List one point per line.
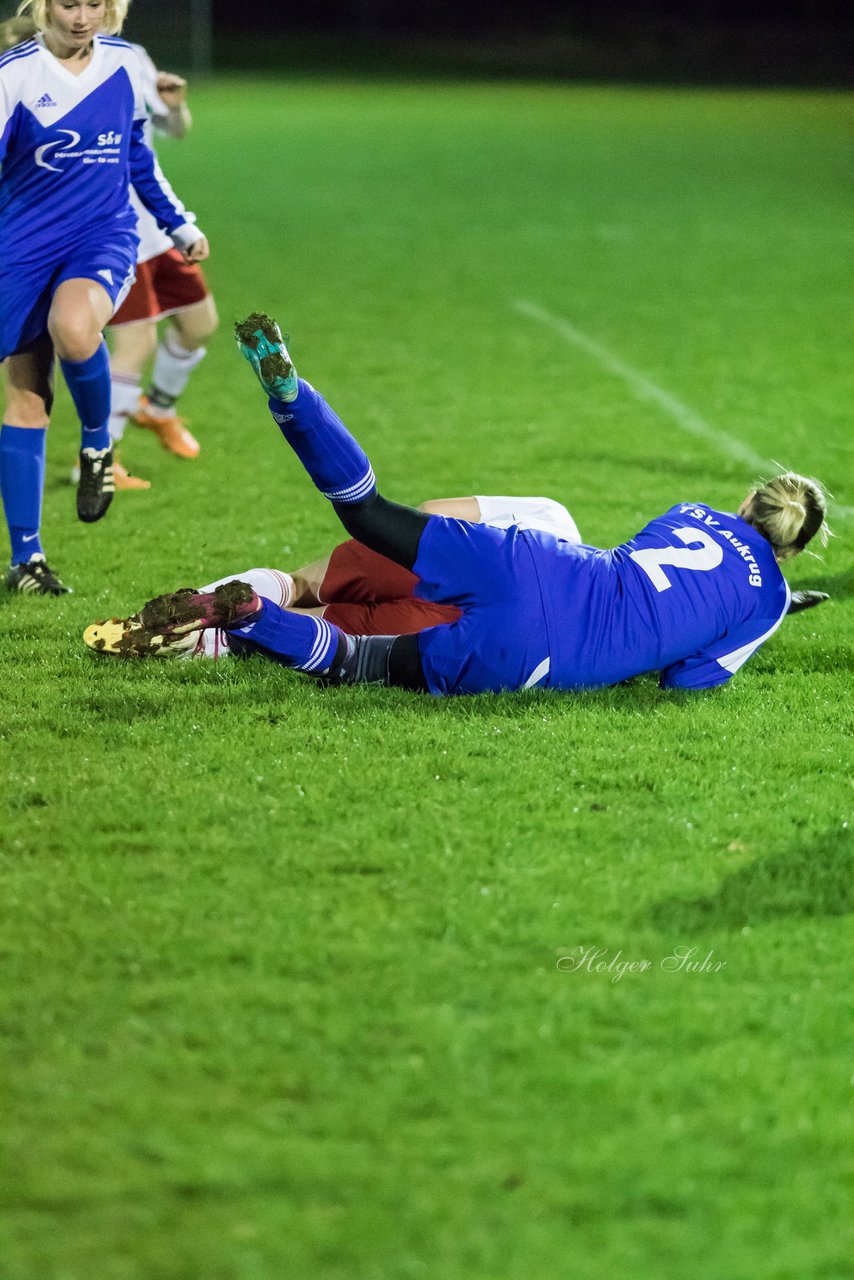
(196, 325)
(28, 408)
(76, 335)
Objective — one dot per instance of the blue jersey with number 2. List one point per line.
(692, 596)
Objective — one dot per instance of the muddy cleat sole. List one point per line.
(231, 605)
(260, 341)
(128, 638)
(97, 484)
(35, 578)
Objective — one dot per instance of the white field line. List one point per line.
(644, 389)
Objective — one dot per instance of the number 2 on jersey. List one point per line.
(706, 556)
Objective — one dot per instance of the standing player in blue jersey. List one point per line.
(72, 120)
(692, 596)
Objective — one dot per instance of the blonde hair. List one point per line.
(789, 510)
(115, 12)
(14, 31)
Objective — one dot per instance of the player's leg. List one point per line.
(183, 295)
(78, 314)
(133, 343)
(300, 641)
(457, 508)
(334, 460)
(29, 398)
(528, 513)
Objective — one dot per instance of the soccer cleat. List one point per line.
(96, 485)
(231, 605)
(260, 341)
(124, 479)
(806, 600)
(171, 430)
(35, 578)
(128, 638)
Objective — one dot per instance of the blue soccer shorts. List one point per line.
(500, 642)
(26, 290)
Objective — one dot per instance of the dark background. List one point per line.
(785, 42)
(805, 42)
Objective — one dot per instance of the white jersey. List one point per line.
(70, 146)
(152, 241)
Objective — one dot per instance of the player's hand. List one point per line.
(197, 252)
(807, 600)
(172, 89)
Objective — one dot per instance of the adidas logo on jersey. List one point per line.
(45, 101)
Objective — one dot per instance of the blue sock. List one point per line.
(295, 640)
(336, 463)
(89, 384)
(22, 452)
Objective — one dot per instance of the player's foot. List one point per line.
(124, 479)
(170, 430)
(35, 578)
(128, 638)
(260, 341)
(807, 600)
(231, 605)
(96, 485)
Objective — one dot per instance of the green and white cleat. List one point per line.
(260, 341)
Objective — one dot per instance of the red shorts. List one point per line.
(164, 285)
(368, 595)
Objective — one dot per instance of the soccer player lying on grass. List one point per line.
(692, 596)
(353, 587)
(356, 589)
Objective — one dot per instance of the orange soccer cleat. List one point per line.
(124, 479)
(170, 431)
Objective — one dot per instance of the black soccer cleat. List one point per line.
(35, 578)
(806, 600)
(97, 484)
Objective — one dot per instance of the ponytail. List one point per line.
(789, 511)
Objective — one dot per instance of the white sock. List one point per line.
(173, 365)
(214, 644)
(124, 399)
(272, 584)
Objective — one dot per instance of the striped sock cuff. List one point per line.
(357, 492)
(323, 650)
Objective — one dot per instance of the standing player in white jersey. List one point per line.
(166, 286)
(72, 123)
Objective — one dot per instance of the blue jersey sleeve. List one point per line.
(720, 661)
(699, 672)
(150, 184)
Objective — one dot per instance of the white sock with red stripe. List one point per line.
(271, 584)
(173, 365)
(124, 398)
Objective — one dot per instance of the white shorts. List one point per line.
(529, 513)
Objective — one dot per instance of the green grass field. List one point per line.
(281, 992)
